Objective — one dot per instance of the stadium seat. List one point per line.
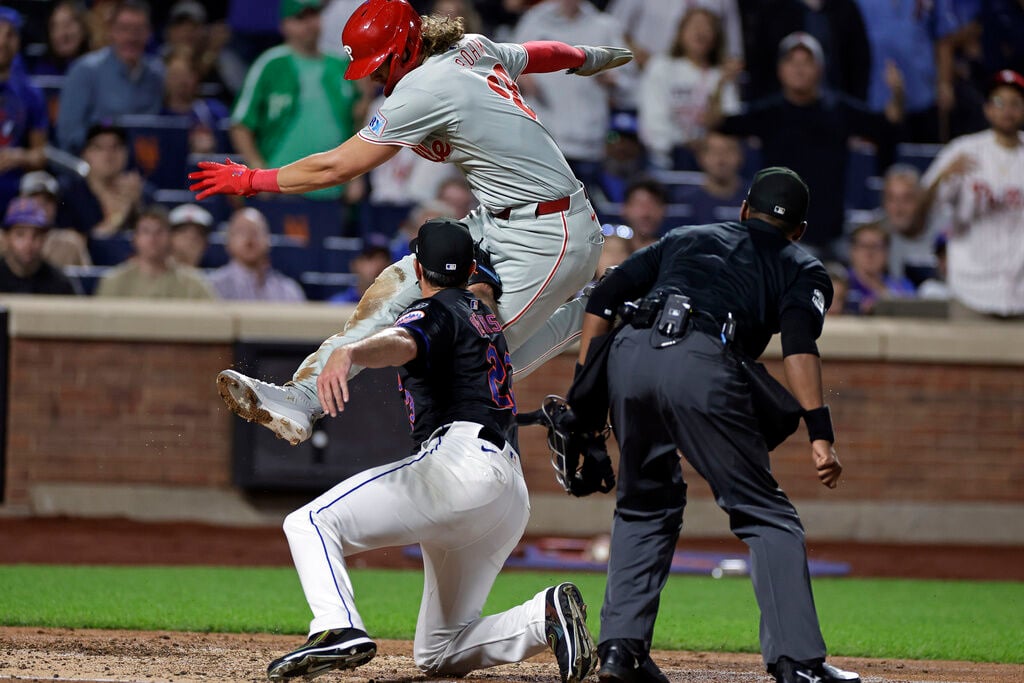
(110, 251)
(159, 146)
(336, 253)
(918, 155)
(322, 286)
(305, 220)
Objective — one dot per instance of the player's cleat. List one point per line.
(619, 665)
(284, 410)
(324, 651)
(601, 59)
(789, 671)
(565, 625)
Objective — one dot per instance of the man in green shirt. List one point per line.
(295, 100)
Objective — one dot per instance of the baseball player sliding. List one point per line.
(452, 98)
(460, 495)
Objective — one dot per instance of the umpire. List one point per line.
(710, 298)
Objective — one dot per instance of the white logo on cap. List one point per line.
(450, 266)
(780, 210)
(348, 51)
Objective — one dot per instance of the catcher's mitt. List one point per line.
(580, 459)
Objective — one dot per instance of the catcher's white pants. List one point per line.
(467, 506)
(543, 261)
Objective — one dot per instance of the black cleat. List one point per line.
(565, 625)
(789, 671)
(325, 651)
(619, 665)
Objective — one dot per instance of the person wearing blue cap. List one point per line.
(23, 269)
(22, 112)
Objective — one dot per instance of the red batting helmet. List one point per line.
(380, 29)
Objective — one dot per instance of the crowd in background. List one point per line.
(835, 89)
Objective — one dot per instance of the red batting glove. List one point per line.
(227, 178)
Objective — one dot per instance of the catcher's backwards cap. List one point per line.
(444, 246)
(780, 192)
(378, 30)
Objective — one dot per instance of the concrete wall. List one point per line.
(112, 410)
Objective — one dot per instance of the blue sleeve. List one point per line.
(75, 107)
(431, 325)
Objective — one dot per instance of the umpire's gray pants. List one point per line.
(692, 397)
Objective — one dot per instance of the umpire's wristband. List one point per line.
(819, 424)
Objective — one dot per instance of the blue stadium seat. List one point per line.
(305, 220)
(218, 205)
(110, 251)
(860, 166)
(336, 253)
(292, 257)
(322, 286)
(159, 146)
(88, 277)
(918, 155)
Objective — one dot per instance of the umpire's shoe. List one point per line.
(620, 665)
(287, 410)
(325, 651)
(789, 671)
(565, 626)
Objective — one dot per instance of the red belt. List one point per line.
(543, 208)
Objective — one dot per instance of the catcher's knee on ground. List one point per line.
(432, 657)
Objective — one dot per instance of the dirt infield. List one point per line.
(30, 654)
(33, 654)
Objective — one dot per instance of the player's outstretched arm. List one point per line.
(349, 160)
(391, 347)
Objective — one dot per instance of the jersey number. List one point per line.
(500, 379)
(501, 83)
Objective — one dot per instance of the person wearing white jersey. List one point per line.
(979, 180)
(452, 98)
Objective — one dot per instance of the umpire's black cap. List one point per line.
(780, 192)
(444, 246)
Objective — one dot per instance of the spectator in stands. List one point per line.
(455, 193)
(23, 270)
(979, 180)
(910, 243)
(1002, 25)
(936, 287)
(333, 18)
(190, 233)
(837, 24)
(644, 211)
(459, 8)
(625, 156)
(723, 190)
(98, 20)
(187, 27)
(576, 111)
(249, 275)
(918, 38)
(112, 81)
(23, 120)
(650, 25)
(67, 39)
(108, 199)
(181, 98)
(614, 251)
(869, 281)
(370, 263)
(840, 278)
(64, 246)
(420, 214)
(675, 89)
(807, 128)
(152, 273)
(295, 101)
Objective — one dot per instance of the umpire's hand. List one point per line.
(827, 462)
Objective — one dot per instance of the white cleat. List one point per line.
(284, 410)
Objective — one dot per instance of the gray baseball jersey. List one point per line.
(507, 156)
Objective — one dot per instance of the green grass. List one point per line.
(960, 620)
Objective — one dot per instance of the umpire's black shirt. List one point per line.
(747, 268)
(462, 370)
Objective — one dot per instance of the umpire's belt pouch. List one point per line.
(777, 411)
(672, 321)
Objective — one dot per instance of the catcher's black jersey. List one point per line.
(462, 370)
